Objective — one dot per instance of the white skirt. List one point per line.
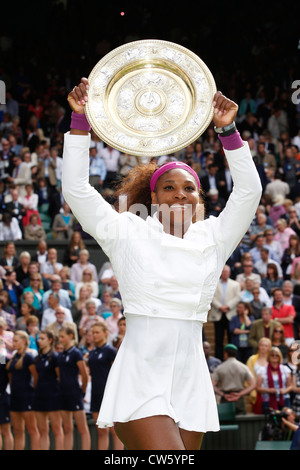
(160, 369)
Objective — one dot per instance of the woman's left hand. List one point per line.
(225, 110)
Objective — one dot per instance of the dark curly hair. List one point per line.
(136, 187)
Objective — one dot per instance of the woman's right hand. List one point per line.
(78, 97)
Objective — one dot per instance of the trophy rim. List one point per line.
(149, 143)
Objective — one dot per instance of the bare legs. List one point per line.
(103, 437)
(20, 421)
(82, 427)
(56, 425)
(6, 437)
(157, 433)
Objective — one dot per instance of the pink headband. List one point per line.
(170, 166)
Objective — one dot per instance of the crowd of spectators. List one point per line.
(42, 292)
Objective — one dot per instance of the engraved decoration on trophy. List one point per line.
(150, 98)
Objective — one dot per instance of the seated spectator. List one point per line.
(260, 226)
(247, 293)
(256, 250)
(291, 253)
(89, 318)
(265, 260)
(33, 334)
(105, 309)
(34, 230)
(95, 299)
(37, 288)
(22, 271)
(262, 328)
(274, 383)
(105, 275)
(29, 298)
(112, 320)
(58, 161)
(284, 314)
(27, 310)
(8, 317)
(21, 174)
(41, 253)
(46, 169)
(75, 245)
(61, 321)
(272, 280)
(283, 233)
(30, 202)
(66, 282)
(6, 303)
(113, 288)
(256, 304)
(273, 244)
(87, 278)
(214, 203)
(97, 170)
(278, 340)
(56, 287)
(43, 194)
(117, 339)
(293, 220)
(248, 273)
(82, 263)
(63, 223)
(48, 315)
(33, 269)
(78, 307)
(9, 228)
(51, 267)
(6, 339)
(277, 210)
(15, 208)
(86, 344)
(14, 289)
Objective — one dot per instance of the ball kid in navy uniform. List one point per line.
(23, 377)
(100, 360)
(71, 365)
(47, 403)
(6, 437)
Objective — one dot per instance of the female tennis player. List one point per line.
(159, 394)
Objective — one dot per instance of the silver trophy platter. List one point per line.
(150, 98)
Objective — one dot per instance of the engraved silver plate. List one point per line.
(150, 98)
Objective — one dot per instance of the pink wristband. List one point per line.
(231, 142)
(79, 122)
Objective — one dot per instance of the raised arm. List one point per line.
(233, 222)
(96, 216)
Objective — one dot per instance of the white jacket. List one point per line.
(160, 274)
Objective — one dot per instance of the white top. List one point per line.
(159, 274)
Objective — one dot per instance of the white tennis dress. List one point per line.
(167, 284)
